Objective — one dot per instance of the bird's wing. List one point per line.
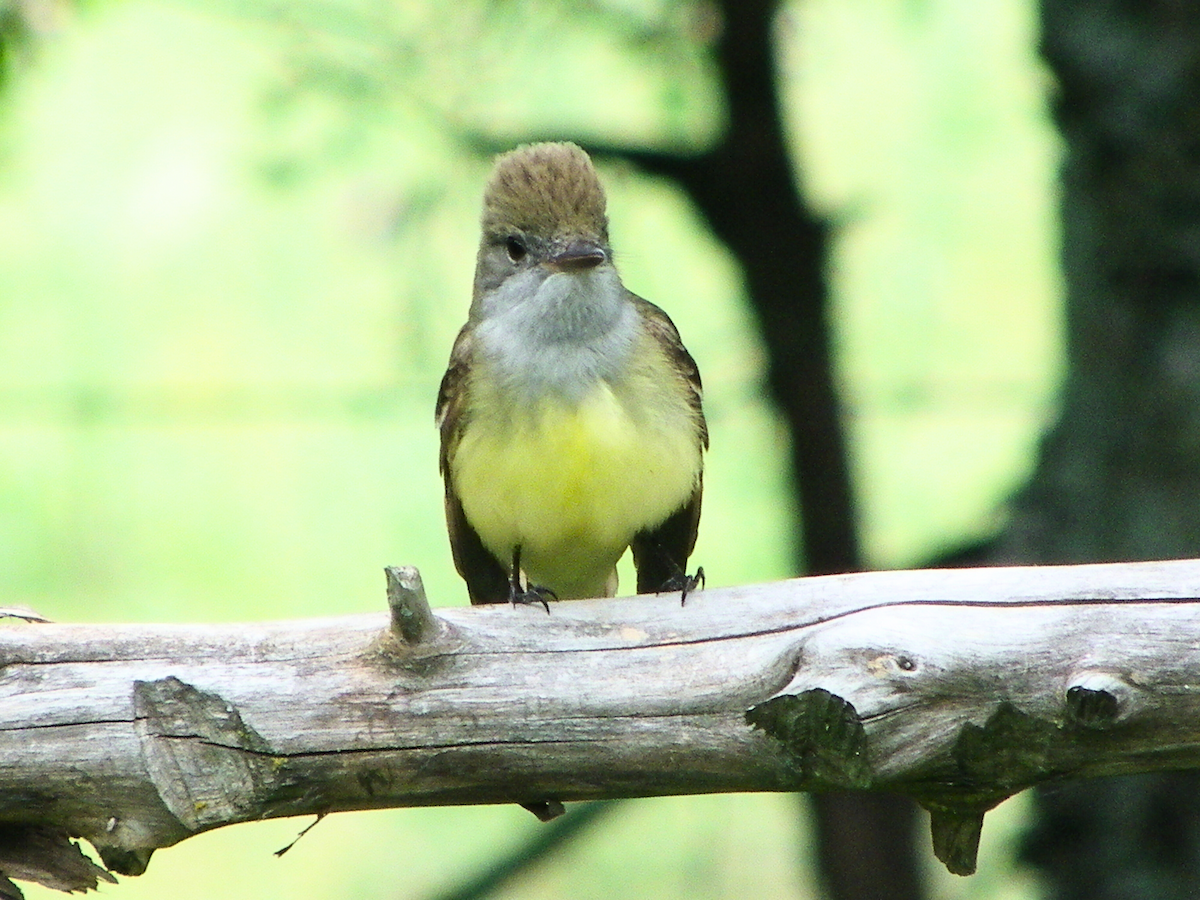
(663, 330)
(452, 398)
(660, 554)
(487, 581)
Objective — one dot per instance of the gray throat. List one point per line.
(560, 334)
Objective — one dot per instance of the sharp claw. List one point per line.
(690, 583)
(532, 595)
(684, 583)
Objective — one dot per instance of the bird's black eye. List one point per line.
(516, 250)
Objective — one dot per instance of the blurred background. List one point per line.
(236, 242)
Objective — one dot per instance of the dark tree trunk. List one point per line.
(1118, 476)
(1119, 473)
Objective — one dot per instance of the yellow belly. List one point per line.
(571, 484)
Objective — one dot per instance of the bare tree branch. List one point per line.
(957, 688)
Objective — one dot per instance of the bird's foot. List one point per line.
(530, 595)
(684, 583)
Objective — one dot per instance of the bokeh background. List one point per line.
(237, 239)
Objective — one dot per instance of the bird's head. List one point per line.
(543, 214)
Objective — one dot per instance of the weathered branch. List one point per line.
(957, 687)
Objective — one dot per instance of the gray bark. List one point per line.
(957, 688)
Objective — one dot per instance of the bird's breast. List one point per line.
(572, 480)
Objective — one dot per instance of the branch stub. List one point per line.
(413, 621)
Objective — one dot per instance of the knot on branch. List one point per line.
(1009, 752)
(208, 766)
(822, 733)
(1097, 700)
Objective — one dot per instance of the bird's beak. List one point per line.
(577, 256)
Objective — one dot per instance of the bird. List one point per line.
(570, 414)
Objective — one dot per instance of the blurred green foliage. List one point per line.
(236, 241)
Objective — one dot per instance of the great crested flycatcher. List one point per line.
(570, 415)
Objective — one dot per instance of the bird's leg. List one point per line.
(684, 583)
(678, 579)
(531, 593)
